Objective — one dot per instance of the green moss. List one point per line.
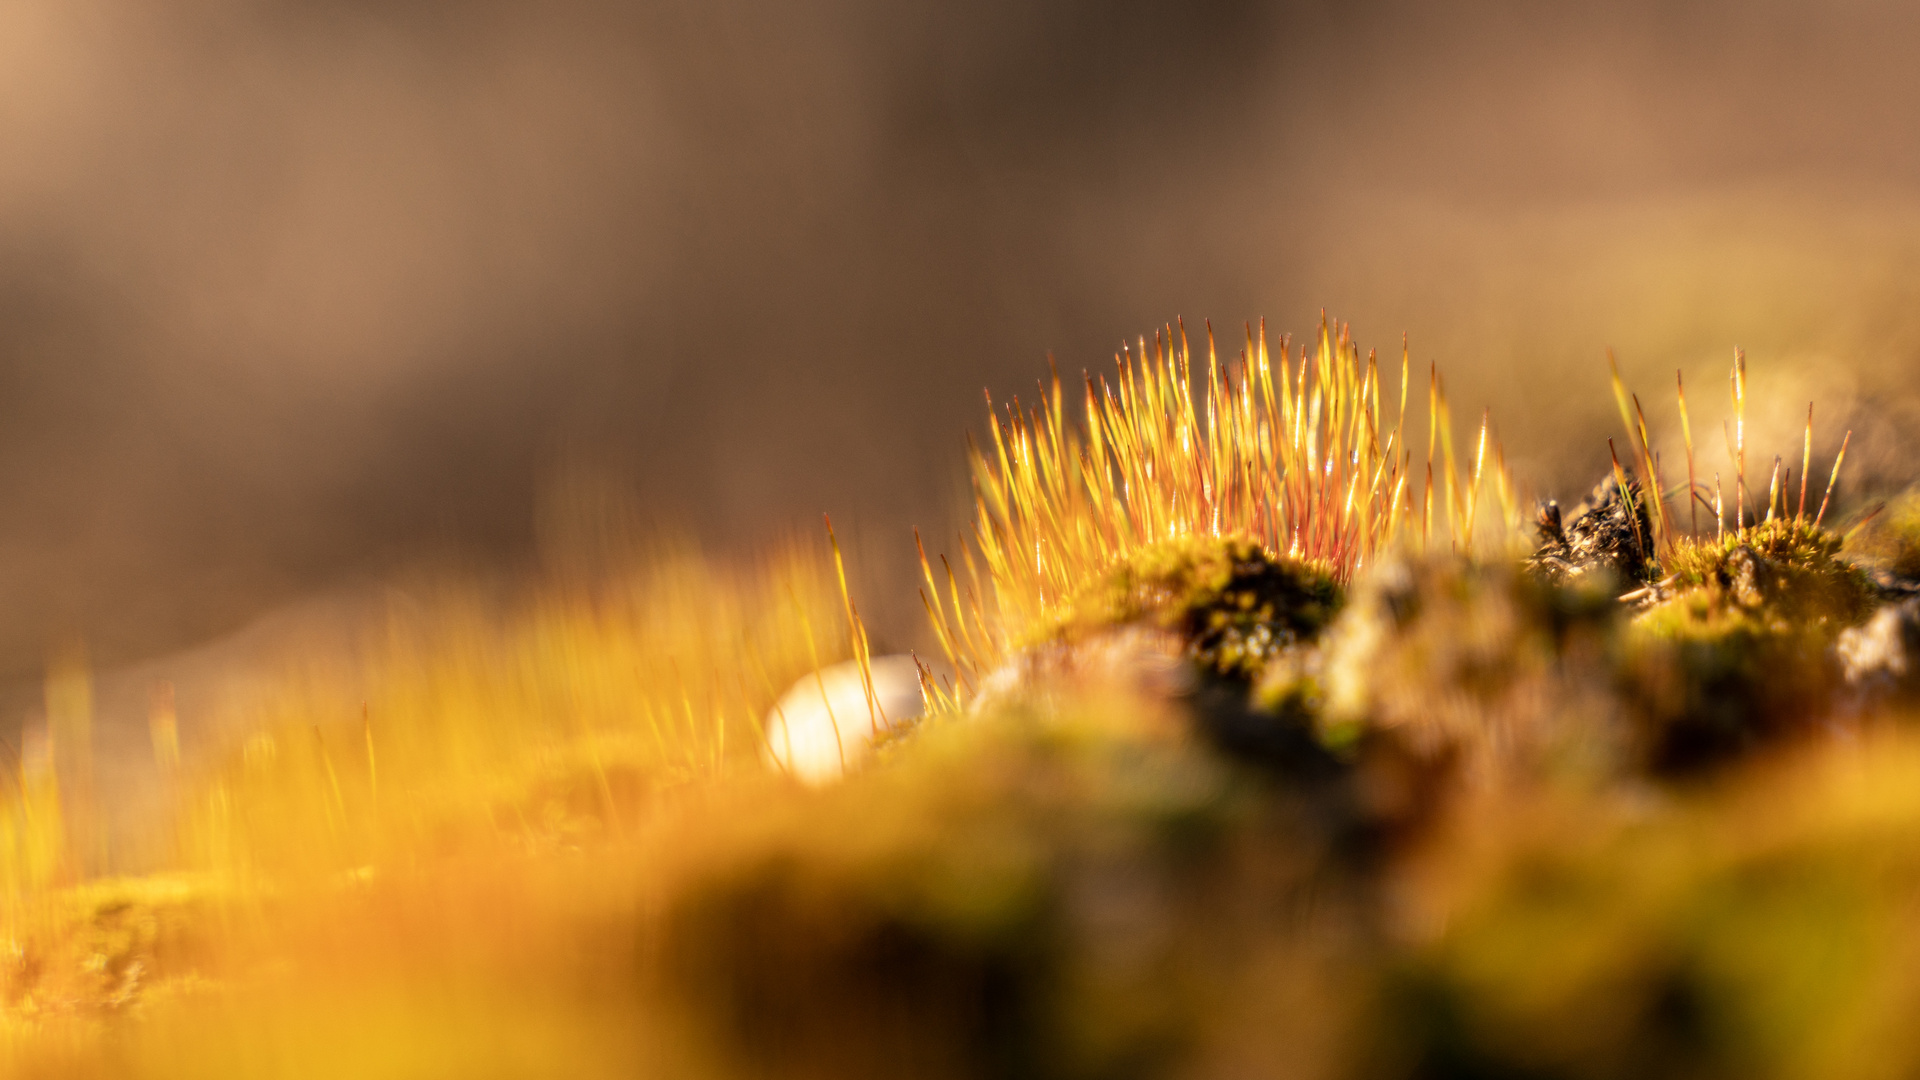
(1740, 656)
(1024, 895)
(1757, 933)
(1784, 571)
(1233, 603)
(1712, 683)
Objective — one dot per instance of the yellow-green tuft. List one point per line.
(1233, 603)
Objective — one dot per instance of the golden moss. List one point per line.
(536, 839)
(1306, 457)
(408, 819)
(469, 723)
(105, 946)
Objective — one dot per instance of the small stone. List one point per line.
(822, 728)
(1879, 656)
(1748, 576)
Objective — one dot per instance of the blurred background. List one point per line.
(297, 293)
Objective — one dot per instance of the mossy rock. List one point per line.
(1484, 662)
(1763, 932)
(1233, 603)
(1739, 655)
(1022, 896)
(1784, 570)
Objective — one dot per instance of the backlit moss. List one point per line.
(1785, 570)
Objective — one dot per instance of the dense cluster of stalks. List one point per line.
(1667, 538)
(1301, 454)
(411, 812)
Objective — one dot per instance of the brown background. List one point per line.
(293, 293)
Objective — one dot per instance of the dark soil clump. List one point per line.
(1607, 534)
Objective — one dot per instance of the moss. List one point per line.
(1739, 654)
(1711, 684)
(1784, 570)
(1234, 604)
(1758, 933)
(1293, 685)
(102, 947)
(1023, 896)
(1483, 661)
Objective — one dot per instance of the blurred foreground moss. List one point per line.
(1765, 930)
(92, 951)
(1027, 896)
(1483, 663)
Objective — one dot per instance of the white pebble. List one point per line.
(819, 736)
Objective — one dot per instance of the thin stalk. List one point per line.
(1686, 432)
(1806, 465)
(1626, 500)
(1739, 438)
(1773, 488)
(1652, 467)
(1822, 515)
